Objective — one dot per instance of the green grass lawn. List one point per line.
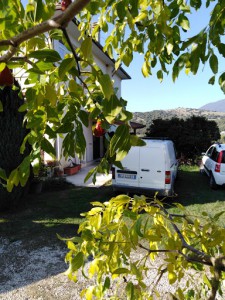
(51, 212)
(194, 193)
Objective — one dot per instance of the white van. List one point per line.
(152, 167)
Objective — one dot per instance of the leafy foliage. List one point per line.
(114, 231)
(191, 136)
(12, 131)
(57, 89)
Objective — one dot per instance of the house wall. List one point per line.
(107, 69)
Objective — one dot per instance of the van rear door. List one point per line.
(152, 167)
(129, 175)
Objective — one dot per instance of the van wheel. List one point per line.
(212, 183)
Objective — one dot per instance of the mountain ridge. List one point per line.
(215, 106)
(146, 118)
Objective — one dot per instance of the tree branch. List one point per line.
(22, 58)
(201, 254)
(56, 22)
(157, 251)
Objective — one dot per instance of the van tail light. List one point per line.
(218, 164)
(217, 168)
(167, 177)
(113, 172)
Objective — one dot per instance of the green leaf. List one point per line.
(127, 57)
(90, 173)
(222, 82)
(77, 261)
(106, 86)
(121, 154)
(183, 22)
(206, 281)
(65, 66)
(75, 89)
(196, 3)
(120, 271)
(111, 108)
(138, 226)
(120, 140)
(106, 285)
(118, 164)
(136, 141)
(212, 80)
(130, 291)
(47, 147)
(44, 66)
(13, 179)
(169, 48)
(121, 10)
(86, 48)
(160, 75)
(50, 94)
(146, 69)
(24, 170)
(2, 66)
(221, 49)
(125, 115)
(84, 117)
(172, 277)
(195, 60)
(217, 216)
(213, 62)
(47, 55)
(120, 200)
(87, 235)
(64, 128)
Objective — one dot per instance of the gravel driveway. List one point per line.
(31, 272)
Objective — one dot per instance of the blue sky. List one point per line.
(146, 94)
(192, 91)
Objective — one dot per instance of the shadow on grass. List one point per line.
(33, 229)
(192, 187)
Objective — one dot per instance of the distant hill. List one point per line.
(215, 106)
(183, 113)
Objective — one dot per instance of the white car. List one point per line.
(213, 164)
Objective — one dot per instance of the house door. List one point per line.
(96, 147)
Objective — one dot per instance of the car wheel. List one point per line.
(212, 183)
(202, 171)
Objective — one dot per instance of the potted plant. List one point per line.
(73, 168)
